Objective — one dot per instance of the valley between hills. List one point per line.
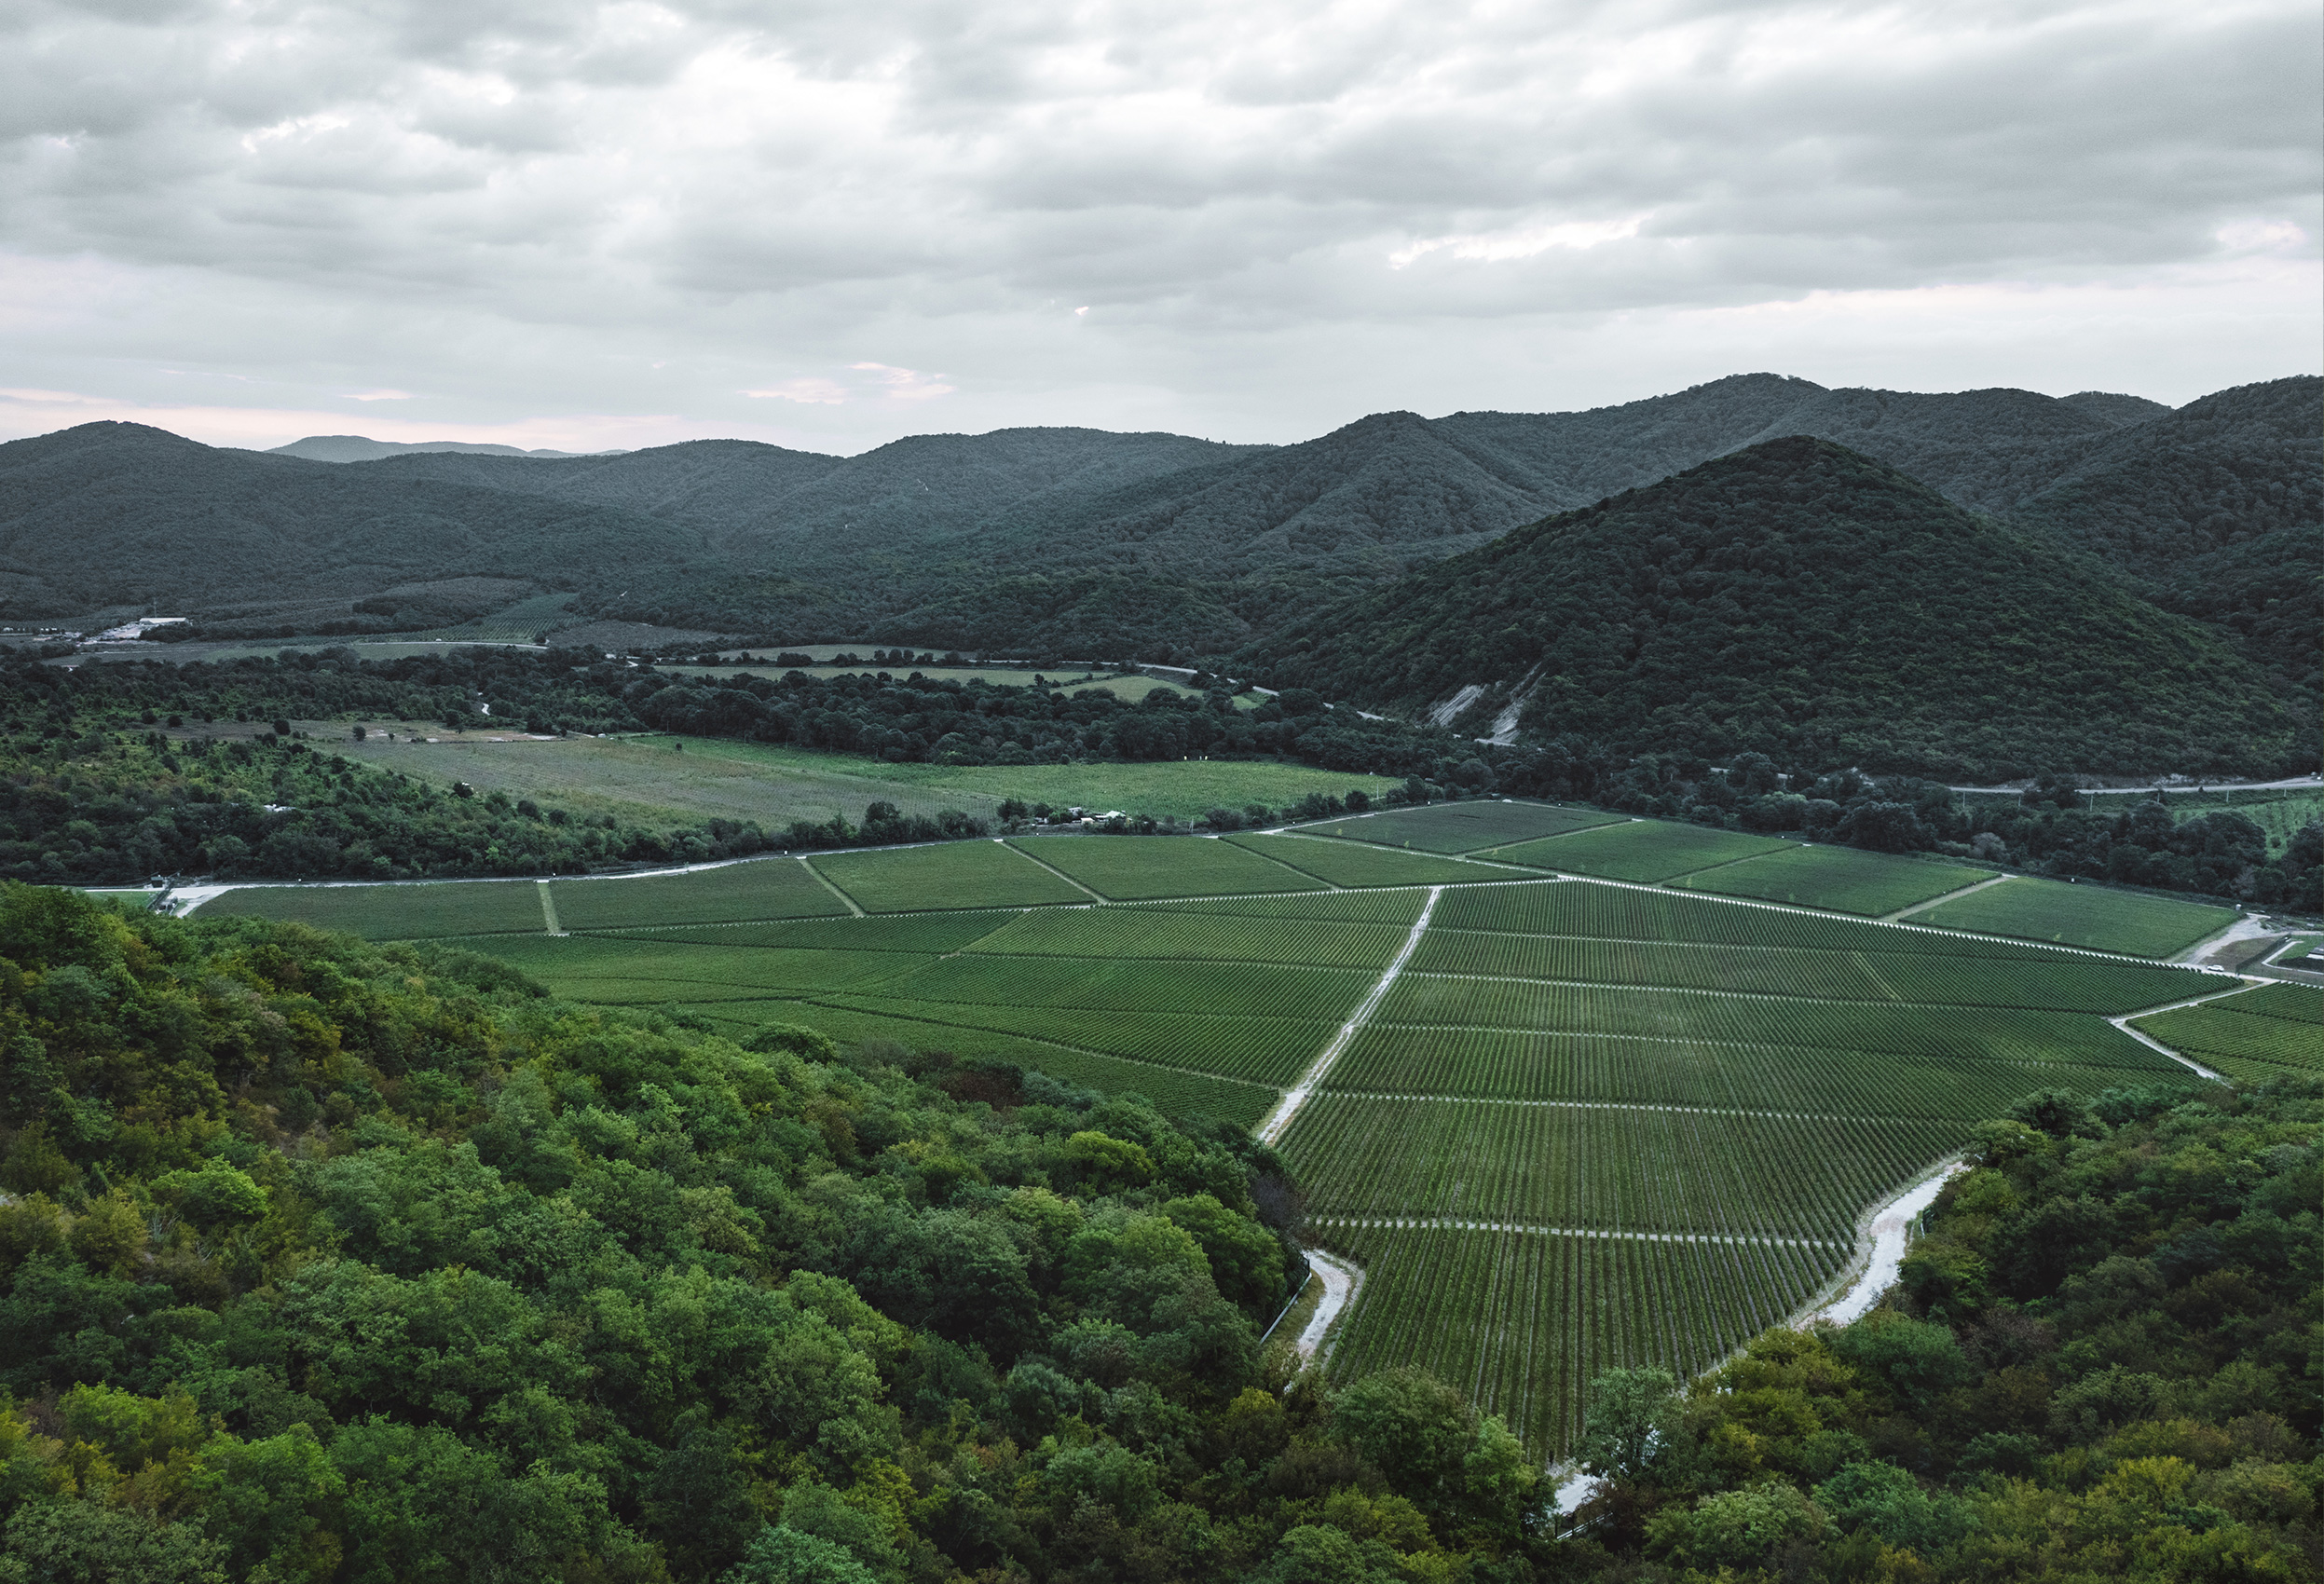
(1058, 1006)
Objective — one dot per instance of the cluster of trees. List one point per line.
(106, 810)
(2099, 1364)
(331, 1262)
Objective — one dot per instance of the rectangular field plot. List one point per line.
(1645, 1070)
(764, 888)
(1238, 988)
(955, 875)
(421, 911)
(2016, 1034)
(1839, 878)
(2076, 984)
(1175, 1093)
(926, 934)
(1522, 1321)
(2081, 915)
(1348, 907)
(1144, 933)
(1346, 863)
(1644, 851)
(1615, 912)
(1138, 868)
(1463, 827)
(1630, 1168)
(2271, 1031)
(610, 969)
(1269, 1051)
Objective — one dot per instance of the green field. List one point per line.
(1843, 879)
(1638, 849)
(394, 912)
(1462, 827)
(1130, 869)
(2081, 915)
(959, 874)
(2271, 1031)
(764, 888)
(1346, 863)
(1586, 1123)
(1180, 789)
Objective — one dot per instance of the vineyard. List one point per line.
(395, 912)
(1841, 878)
(1126, 869)
(1571, 1123)
(1638, 849)
(1345, 862)
(765, 888)
(2273, 1032)
(958, 874)
(2081, 915)
(1464, 827)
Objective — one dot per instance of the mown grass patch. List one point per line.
(2093, 915)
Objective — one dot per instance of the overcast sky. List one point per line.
(554, 223)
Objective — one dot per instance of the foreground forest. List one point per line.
(104, 778)
(327, 1261)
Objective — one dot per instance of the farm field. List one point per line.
(1131, 869)
(957, 874)
(2081, 915)
(643, 780)
(1843, 879)
(1345, 862)
(393, 912)
(1577, 1124)
(1639, 850)
(1463, 827)
(1181, 789)
(2271, 1031)
(764, 888)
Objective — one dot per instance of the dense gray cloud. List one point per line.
(570, 223)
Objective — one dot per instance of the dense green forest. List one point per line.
(103, 778)
(2100, 1364)
(331, 1262)
(1157, 545)
(1800, 600)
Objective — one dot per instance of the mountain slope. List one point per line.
(1809, 602)
(111, 513)
(2216, 510)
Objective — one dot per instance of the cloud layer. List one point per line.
(579, 224)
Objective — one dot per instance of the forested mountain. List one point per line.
(2216, 510)
(1797, 598)
(115, 514)
(1065, 539)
